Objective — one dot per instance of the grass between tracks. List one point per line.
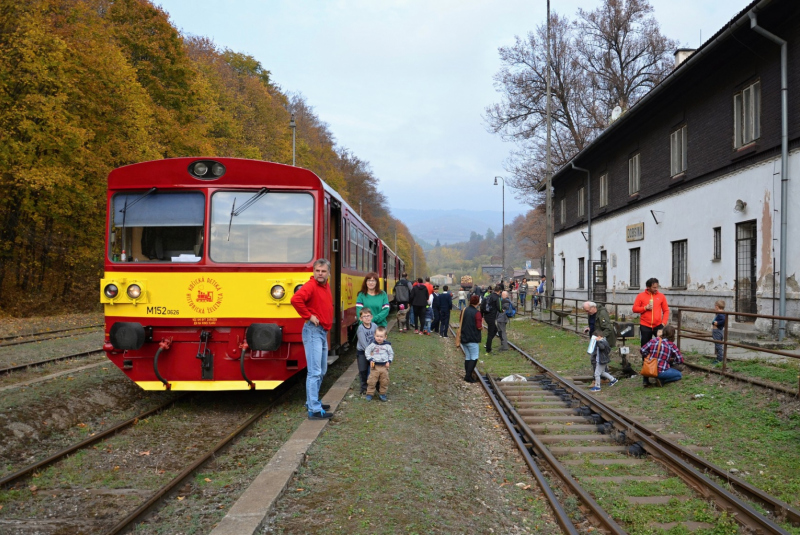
(433, 459)
(753, 432)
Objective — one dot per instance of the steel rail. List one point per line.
(23, 342)
(744, 379)
(563, 474)
(84, 443)
(562, 517)
(673, 455)
(145, 508)
(10, 369)
(27, 335)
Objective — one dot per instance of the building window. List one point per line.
(581, 272)
(747, 115)
(679, 264)
(717, 243)
(635, 267)
(563, 211)
(603, 190)
(633, 175)
(677, 149)
(581, 202)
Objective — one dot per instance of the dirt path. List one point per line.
(433, 459)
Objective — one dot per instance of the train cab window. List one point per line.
(157, 227)
(262, 227)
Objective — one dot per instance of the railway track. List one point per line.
(30, 338)
(19, 367)
(576, 440)
(148, 500)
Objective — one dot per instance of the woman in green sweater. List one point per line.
(375, 299)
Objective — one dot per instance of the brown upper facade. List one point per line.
(719, 111)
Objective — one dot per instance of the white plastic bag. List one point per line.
(515, 378)
(592, 344)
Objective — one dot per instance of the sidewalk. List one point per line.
(433, 459)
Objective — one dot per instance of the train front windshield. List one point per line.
(157, 227)
(262, 227)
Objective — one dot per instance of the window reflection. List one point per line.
(276, 228)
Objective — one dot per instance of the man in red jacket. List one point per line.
(314, 303)
(654, 311)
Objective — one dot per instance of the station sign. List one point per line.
(634, 232)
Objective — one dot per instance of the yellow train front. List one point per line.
(202, 258)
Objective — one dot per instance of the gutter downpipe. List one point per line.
(784, 164)
(589, 268)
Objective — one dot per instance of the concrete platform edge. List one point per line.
(249, 513)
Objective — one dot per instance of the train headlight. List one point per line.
(218, 169)
(111, 291)
(134, 291)
(200, 169)
(277, 292)
(297, 288)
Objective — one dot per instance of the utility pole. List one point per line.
(549, 284)
(293, 126)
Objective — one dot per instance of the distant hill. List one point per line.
(451, 226)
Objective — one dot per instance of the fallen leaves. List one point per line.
(144, 453)
(81, 425)
(181, 498)
(207, 480)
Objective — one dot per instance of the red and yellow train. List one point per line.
(202, 258)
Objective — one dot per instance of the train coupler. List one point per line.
(206, 356)
(163, 345)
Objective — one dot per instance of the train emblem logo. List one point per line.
(204, 295)
(349, 289)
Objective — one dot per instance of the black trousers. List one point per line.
(444, 322)
(435, 322)
(491, 323)
(419, 317)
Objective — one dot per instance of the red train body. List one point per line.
(199, 250)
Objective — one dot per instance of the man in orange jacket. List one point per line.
(654, 311)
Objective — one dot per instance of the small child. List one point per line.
(366, 335)
(600, 359)
(716, 331)
(402, 312)
(380, 354)
(428, 320)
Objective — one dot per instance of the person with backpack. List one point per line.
(502, 321)
(489, 307)
(434, 304)
(419, 302)
(402, 296)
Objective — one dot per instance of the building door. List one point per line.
(746, 269)
(599, 278)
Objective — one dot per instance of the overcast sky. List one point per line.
(404, 83)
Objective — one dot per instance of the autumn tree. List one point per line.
(607, 57)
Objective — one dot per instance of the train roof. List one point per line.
(174, 172)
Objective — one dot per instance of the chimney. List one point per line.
(682, 54)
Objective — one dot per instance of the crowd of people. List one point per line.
(423, 305)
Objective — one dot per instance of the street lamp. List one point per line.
(504, 225)
(293, 126)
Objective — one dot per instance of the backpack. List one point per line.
(402, 293)
(511, 311)
(486, 304)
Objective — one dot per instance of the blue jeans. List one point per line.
(461, 304)
(669, 376)
(471, 351)
(315, 343)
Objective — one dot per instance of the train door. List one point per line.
(385, 268)
(334, 245)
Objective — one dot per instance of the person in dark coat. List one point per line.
(490, 311)
(469, 336)
(445, 306)
(419, 302)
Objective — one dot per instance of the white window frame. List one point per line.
(747, 115)
(582, 202)
(717, 252)
(603, 190)
(636, 267)
(634, 174)
(581, 273)
(563, 211)
(678, 143)
(680, 263)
